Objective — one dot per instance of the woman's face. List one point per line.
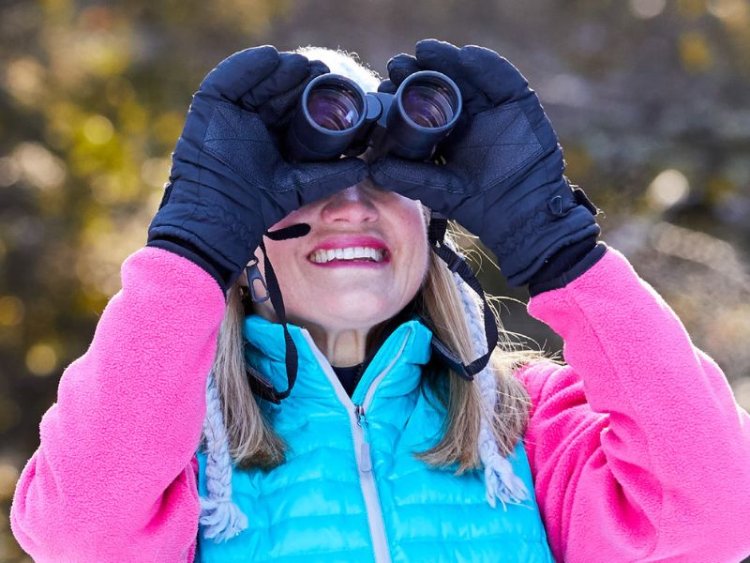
(364, 259)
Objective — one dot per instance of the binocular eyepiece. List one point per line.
(336, 117)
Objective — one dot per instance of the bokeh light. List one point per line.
(729, 10)
(24, 80)
(647, 8)
(41, 359)
(668, 188)
(98, 129)
(39, 166)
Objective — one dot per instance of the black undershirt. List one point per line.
(349, 377)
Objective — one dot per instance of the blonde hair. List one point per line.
(444, 308)
(254, 443)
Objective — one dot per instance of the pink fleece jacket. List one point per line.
(638, 449)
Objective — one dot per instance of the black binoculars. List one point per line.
(336, 117)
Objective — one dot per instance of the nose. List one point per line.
(352, 205)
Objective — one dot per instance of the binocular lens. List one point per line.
(429, 103)
(334, 106)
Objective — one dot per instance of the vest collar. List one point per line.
(402, 354)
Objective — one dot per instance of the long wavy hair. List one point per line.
(253, 441)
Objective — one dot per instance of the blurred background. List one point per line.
(649, 97)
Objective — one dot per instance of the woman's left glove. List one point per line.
(502, 172)
(229, 182)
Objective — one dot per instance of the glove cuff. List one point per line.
(578, 268)
(542, 227)
(562, 260)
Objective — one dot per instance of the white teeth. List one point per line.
(350, 253)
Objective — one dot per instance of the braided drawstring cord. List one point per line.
(500, 480)
(220, 518)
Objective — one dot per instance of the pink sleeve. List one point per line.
(638, 448)
(112, 479)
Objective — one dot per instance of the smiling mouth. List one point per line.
(351, 254)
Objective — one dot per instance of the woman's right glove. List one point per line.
(229, 183)
(502, 172)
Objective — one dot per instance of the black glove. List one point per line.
(502, 172)
(229, 182)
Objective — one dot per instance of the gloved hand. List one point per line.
(502, 172)
(229, 181)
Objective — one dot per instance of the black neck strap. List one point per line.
(456, 264)
(259, 384)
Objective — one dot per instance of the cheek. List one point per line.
(417, 252)
(421, 263)
(280, 255)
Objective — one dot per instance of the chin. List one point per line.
(364, 312)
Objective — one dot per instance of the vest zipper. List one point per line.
(367, 483)
(365, 461)
(358, 425)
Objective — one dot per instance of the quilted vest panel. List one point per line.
(351, 488)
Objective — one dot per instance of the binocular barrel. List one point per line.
(336, 117)
(332, 109)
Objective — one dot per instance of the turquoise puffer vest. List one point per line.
(351, 488)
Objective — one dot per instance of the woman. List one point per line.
(354, 436)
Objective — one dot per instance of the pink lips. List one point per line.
(350, 241)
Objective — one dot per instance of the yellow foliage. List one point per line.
(691, 9)
(695, 51)
(167, 127)
(12, 311)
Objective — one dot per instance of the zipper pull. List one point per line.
(365, 461)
